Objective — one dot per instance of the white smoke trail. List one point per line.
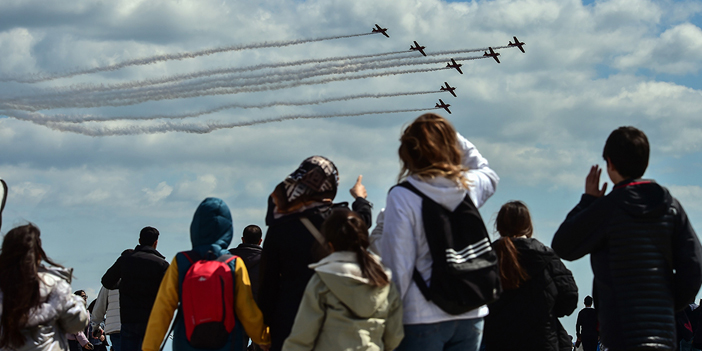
(134, 88)
(176, 56)
(80, 88)
(220, 87)
(80, 118)
(207, 73)
(198, 128)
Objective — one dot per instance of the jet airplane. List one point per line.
(455, 65)
(448, 88)
(492, 54)
(382, 31)
(518, 44)
(441, 104)
(416, 47)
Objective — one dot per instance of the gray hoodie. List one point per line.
(341, 311)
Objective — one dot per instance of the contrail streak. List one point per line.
(197, 128)
(213, 72)
(224, 87)
(177, 56)
(80, 118)
(360, 59)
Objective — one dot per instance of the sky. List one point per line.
(91, 181)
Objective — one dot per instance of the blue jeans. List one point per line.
(132, 336)
(458, 335)
(116, 341)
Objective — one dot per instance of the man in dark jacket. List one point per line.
(137, 274)
(586, 326)
(250, 251)
(645, 255)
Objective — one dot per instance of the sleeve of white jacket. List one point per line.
(74, 317)
(100, 308)
(483, 180)
(398, 248)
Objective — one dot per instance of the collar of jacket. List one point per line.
(632, 182)
(148, 249)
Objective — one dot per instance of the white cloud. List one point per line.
(161, 192)
(677, 51)
(690, 196)
(16, 51)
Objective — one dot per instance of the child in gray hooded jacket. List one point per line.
(349, 303)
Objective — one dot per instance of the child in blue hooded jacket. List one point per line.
(211, 233)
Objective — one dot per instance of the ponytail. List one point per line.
(512, 274)
(347, 231)
(512, 221)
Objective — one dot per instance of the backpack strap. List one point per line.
(416, 277)
(226, 258)
(313, 230)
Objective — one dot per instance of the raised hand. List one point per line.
(358, 189)
(592, 182)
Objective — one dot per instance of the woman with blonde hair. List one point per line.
(445, 167)
(37, 306)
(538, 288)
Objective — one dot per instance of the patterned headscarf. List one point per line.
(315, 181)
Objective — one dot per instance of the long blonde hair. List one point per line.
(429, 149)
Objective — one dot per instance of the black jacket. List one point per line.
(586, 326)
(251, 254)
(287, 251)
(637, 236)
(526, 318)
(137, 274)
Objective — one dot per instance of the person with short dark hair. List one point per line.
(250, 251)
(645, 256)
(137, 274)
(586, 326)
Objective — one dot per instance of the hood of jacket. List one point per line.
(341, 273)
(442, 190)
(211, 229)
(533, 254)
(643, 198)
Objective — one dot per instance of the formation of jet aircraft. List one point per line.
(453, 64)
(416, 47)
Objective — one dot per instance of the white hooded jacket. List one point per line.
(403, 244)
(59, 313)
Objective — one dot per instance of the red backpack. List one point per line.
(207, 300)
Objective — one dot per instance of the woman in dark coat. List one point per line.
(538, 288)
(289, 247)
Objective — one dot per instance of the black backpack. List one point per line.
(464, 272)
